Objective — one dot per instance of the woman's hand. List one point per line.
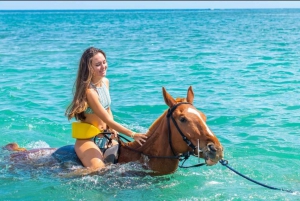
(139, 137)
(114, 134)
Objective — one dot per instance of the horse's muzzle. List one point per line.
(213, 154)
(211, 148)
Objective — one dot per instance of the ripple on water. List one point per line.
(242, 64)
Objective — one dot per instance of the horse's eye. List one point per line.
(182, 119)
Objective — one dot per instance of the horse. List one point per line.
(181, 131)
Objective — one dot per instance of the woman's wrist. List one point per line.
(132, 134)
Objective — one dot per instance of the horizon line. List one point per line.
(71, 9)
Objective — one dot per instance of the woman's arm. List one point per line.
(115, 133)
(110, 112)
(93, 102)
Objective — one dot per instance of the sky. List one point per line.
(52, 5)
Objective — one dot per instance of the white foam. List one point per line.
(38, 144)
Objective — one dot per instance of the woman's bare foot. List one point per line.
(13, 147)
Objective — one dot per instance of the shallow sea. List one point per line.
(243, 66)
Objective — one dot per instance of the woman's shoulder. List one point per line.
(91, 91)
(106, 81)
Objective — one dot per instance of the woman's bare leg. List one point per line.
(89, 154)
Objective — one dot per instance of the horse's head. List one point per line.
(188, 129)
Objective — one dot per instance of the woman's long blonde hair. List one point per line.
(84, 76)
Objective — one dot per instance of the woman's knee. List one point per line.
(89, 154)
(96, 164)
(92, 160)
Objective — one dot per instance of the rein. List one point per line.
(186, 155)
(179, 157)
(149, 156)
(225, 163)
(222, 162)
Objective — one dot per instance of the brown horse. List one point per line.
(180, 131)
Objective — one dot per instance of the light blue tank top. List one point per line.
(104, 97)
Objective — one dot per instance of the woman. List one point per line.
(91, 106)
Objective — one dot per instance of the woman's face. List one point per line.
(99, 65)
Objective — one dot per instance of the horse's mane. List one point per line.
(158, 121)
(155, 124)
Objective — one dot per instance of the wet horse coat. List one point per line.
(178, 130)
(165, 141)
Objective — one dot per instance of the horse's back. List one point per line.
(66, 154)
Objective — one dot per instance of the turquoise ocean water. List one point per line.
(243, 66)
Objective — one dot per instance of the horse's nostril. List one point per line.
(211, 148)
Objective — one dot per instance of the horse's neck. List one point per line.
(157, 144)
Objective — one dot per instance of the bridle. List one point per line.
(185, 139)
(191, 145)
(180, 157)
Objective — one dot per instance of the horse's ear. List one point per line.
(168, 98)
(190, 95)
